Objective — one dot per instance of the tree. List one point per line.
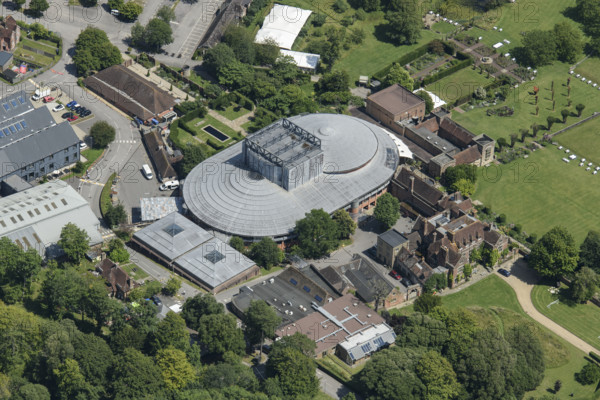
(62, 291)
(115, 4)
(135, 375)
(218, 57)
(94, 51)
(420, 330)
(557, 385)
(580, 107)
(117, 251)
(130, 11)
(37, 7)
(175, 369)
(387, 210)
(153, 36)
(70, 382)
(115, 215)
(260, 321)
(225, 375)
(19, 4)
(219, 334)
(437, 375)
(589, 374)
(237, 243)
(428, 101)
(404, 27)
(336, 81)
(554, 254)
(390, 374)
(484, 365)
(20, 337)
(192, 156)
(501, 143)
(38, 31)
(267, 53)
(538, 49)
(241, 42)
(317, 234)
(455, 174)
(172, 287)
(464, 186)
(480, 93)
(529, 368)
(74, 242)
(340, 6)
(468, 271)
(550, 119)
(295, 372)
(513, 139)
(569, 42)
(32, 391)
(585, 285)
(565, 113)
(589, 14)
(199, 305)
(266, 253)
(589, 252)
(170, 332)
(94, 357)
(298, 341)
(399, 75)
(166, 13)
(345, 224)
(489, 257)
(427, 302)
(102, 134)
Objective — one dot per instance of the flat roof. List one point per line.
(193, 250)
(227, 196)
(393, 238)
(395, 99)
(153, 208)
(303, 60)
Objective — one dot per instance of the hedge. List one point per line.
(595, 357)
(105, 195)
(447, 72)
(405, 59)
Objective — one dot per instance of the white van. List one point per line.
(147, 171)
(115, 12)
(169, 185)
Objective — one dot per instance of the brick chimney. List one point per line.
(412, 184)
(434, 236)
(444, 254)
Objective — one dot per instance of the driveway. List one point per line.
(333, 388)
(522, 280)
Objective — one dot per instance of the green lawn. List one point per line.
(582, 320)
(590, 68)
(139, 273)
(31, 56)
(39, 45)
(583, 140)
(232, 112)
(459, 84)
(542, 191)
(523, 103)
(495, 304)
(444, 27)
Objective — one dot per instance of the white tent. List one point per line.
(303, 60)
(283, 24)
(437, 101)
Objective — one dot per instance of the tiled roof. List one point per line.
(455, 133)
(468, 156)
(395, 99)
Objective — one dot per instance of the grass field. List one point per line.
(458, 84)
(541, 192)
(523, 103)
(444, 27)
(495, 304)
(138, 274)
(233, 111)
(206, 121)
(590, 68)
(583, 140)
(581, 319)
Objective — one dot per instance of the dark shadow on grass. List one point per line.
(571, 12)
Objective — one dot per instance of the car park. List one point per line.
(504, 272)
(58, 108)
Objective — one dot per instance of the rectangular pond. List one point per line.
(216, 133)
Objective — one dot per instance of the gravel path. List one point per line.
(522, 281)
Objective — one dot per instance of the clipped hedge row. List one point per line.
(105, 201)
(447, 72)
(405, 59)
(595, 357)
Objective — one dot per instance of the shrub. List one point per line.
(340, 6)
(589, 374)
(501, 219)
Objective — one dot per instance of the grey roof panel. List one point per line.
(393, 238)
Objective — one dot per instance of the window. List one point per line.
(47, 207)
(30, 213)
(21, 100)
(14, 221)
(20, 217)
(64, 201)
(14, 103)
(66, 159)
(2, 223)
(318, 298)
(294, 282)
(12, 129)
(19, 127)
(306, 289)
(6, 132)
(488, 153)
(23, 124)
(37, 211)
(6, 107)
(54, 205)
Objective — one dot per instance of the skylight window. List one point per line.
(173, 229)
(214, 256)
(14, 103)
(6, 107)
(19, 127)
(23, 124)
(21, 100)
(12, 129)
(6, 131)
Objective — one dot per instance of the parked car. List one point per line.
(156, 301)
(48, 99)
(82, 109)
(72, 118)
(504, 272)
(76, 109)
(169, 185)
(85, 113)
(82, 145)
(72, 105)
(69, 104)
(395, 275)
(67, 115)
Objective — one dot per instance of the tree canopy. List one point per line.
(404, 27)
(589, 251)
(153, 36)
(219, 334)
(199, 305)
(554, 254)
(266, 253)
(317, 234)
(102, 134)
(428, 101)
(94, 52)
(397, 74)
(260, 321)
(387, 210)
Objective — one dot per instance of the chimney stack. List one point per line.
(412, 184)
(444, 253)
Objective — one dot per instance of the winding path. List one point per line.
(522, 280)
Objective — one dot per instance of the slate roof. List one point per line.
(116, 277)
(455, 133)
(131, 92)
(5, 57)
(421, 188)
(393, 238)
(365, 278)
(155, 147)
